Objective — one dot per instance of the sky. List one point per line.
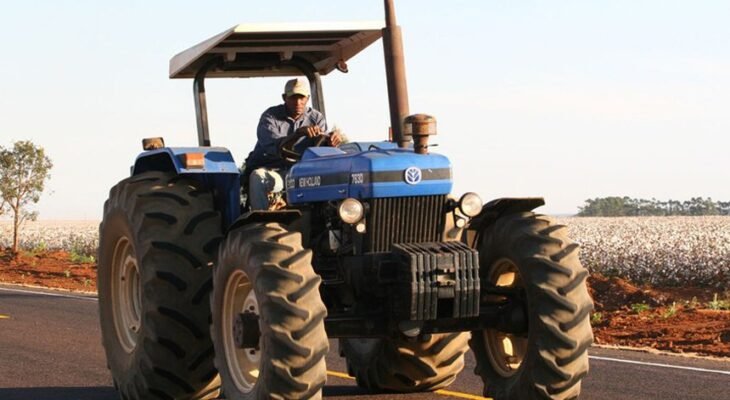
(568, 100)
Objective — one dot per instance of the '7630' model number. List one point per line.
(358, 179)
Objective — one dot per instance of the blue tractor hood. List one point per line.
(366, 170)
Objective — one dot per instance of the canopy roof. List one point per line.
(259, 50)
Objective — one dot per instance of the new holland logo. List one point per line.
(412, 175)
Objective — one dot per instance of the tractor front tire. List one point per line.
(533, 255)
(156, 242)
(406, 365)
(263, 269)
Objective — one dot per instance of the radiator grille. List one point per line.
(403, 220)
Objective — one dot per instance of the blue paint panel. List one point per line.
(324, 175)
(398, 159)
(316, 152)
(219, 173)
(227, 193)
(324, 193)
(217, 159)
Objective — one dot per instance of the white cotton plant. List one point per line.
(75, 237)
(652, 250)
(656, 250)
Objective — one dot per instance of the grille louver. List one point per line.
(403, 220)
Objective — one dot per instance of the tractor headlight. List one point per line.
(351, 211)
(470, 204)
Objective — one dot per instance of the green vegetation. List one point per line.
(34, 250)
(81, 249)
(640, 307)
(627, 207)
(716, 304)
(596, 318)
(39, 248)
(670, 311)
(81, 258)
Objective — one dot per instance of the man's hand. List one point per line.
(335, 138)
(311, 131)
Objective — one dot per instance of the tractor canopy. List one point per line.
(269, 50)
(264, 50)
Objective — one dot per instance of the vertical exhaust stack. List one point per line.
(419, 127)
(395, 71)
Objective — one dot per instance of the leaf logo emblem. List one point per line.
(413, 175)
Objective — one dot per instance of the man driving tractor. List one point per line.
(265, 166)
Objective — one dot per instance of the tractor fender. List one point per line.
(216, 170)
(158, 160)
(500, 207)
(216, 160)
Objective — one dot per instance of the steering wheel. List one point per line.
(286, 148)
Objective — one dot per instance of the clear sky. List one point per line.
(563, 99)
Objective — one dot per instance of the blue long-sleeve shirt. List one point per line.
(274, 126)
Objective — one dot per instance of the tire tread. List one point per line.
(559, 320)
(156, 207)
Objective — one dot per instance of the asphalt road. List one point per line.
(50, 349)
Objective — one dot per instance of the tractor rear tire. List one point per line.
(402, 365)
(533, 254)
(156, 242)
(263, 269)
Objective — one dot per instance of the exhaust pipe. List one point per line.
(395, 72)
(419, 127)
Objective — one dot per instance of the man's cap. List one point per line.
(296, 86)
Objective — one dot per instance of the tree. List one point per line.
(23, 174)
(724, 207)
(607, 207)
(624, 206)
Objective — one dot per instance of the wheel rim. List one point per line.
(243, 364)
(505, 351)
(126, 295)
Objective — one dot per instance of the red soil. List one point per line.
(49, 269)
(675, 319)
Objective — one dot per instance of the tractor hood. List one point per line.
(366, 170)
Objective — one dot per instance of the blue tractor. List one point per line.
(199, 295)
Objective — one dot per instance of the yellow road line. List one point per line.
(339, 375)
(441, 392)
(4, 316)
(461, 395)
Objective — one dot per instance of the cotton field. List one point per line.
(655, 250)
(81, 237)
